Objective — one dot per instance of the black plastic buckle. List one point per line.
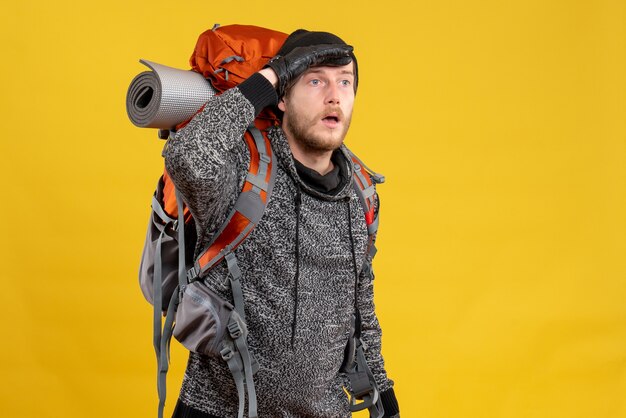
(192, 274)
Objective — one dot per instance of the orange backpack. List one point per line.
(225, 56)
(233, 53)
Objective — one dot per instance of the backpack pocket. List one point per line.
(202, 319)
(160, 256)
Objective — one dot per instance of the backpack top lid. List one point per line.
(227, 55)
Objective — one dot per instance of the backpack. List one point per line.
(171, 280)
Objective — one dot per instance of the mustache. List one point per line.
(331, 109)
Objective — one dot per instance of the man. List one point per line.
(302, 266)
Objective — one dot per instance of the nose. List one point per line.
(332, 94)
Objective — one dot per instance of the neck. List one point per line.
(314, 159)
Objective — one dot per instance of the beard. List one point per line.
(313, 136)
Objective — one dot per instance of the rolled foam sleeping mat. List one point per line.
(166, 96)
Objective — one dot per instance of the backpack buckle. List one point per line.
(377, 178)
(234, 330)
(192, 274)
(360, 383)
(227, 353)
(265, 158)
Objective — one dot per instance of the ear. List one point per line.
(281, 104)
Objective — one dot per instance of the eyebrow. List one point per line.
(317, 71)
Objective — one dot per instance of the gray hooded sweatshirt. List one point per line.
(299, 269)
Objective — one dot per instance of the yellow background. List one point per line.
(500, 126)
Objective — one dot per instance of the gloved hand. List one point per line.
(292, 65)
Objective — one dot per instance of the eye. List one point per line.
(315, 82)
(345, 83)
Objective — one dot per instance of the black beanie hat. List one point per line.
(303, 37)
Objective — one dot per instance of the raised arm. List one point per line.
(207, 159)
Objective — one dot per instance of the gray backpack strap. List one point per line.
(364, 185)
(164, 354)
(236, 369)
(158, 338)
(236, 328)
(157, 295)
(180, 223)
(362, 382)
(165, 336)
(235, 284)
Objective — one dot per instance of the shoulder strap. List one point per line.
(364, 185)
(362, 382)
(248, 208)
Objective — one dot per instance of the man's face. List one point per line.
(318, 108)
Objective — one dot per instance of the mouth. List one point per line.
(331, 120)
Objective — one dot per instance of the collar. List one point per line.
(284, 157)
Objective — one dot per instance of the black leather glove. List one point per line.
(289, 67)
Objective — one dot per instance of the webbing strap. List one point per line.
(239, 337)
(235, 283)
(163, 332)
(375, 408)
(156, 207)
(232, 58)
(157, 295)
(364, 188)
(361, 186)
(157, 300)
(260, 146)
(157, 283)
(364, 386)
(376, 177)
(182, 271)
(369, 191)
(366, 268)
(242, 347)
(164, 355)
(372, 251)
(235, 365)
(257, 181)
(359, 174)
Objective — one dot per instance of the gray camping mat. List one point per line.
(165, 96)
